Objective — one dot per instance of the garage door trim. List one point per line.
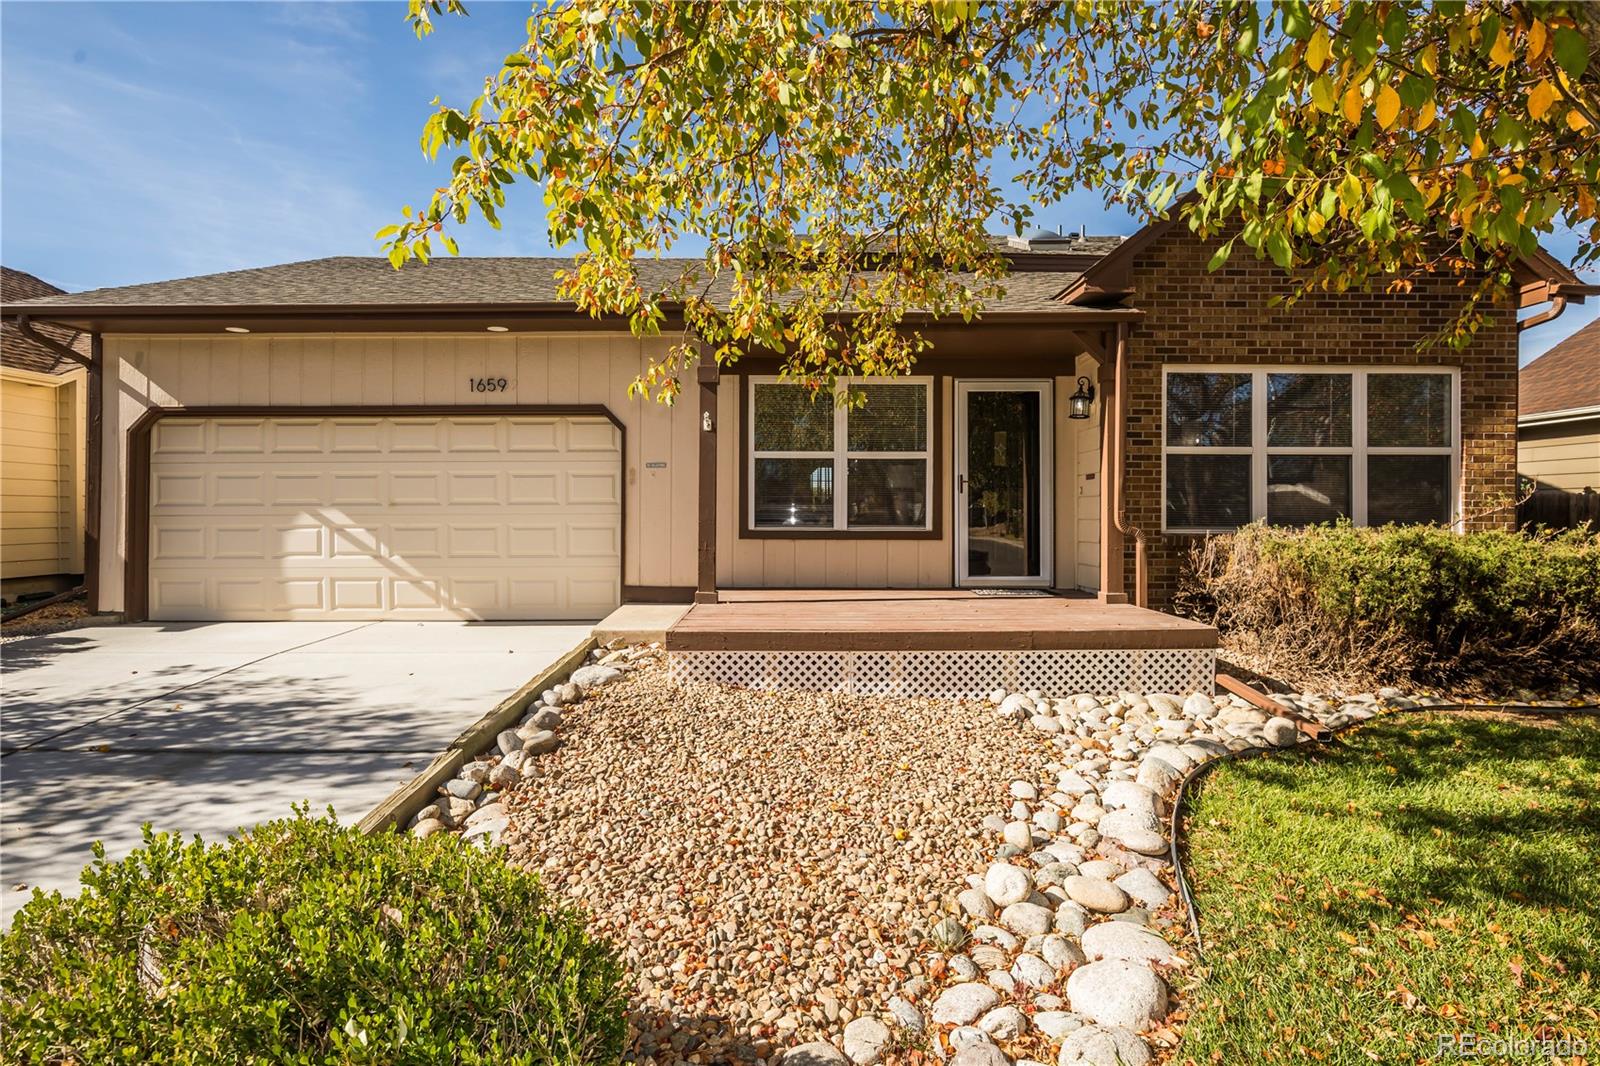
(136, 569)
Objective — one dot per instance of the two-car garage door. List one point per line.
(415, 517)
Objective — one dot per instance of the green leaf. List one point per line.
(1278, 248)
(1509, 132)
(1296, 19)
(515, 59)
(1571, 51)
(1220, 256)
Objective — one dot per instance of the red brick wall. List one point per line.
(1192, 316)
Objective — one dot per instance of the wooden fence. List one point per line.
(1559, 509)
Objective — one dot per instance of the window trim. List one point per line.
(1260, 450)
(840, 457)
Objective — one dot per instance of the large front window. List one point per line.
(1298, 446)
(817, 464)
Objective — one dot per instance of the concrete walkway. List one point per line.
(203, 728)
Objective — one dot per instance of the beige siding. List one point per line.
(1562, 456)
(1082, 505)
(41, 471)
(751, 562)
(313, 370)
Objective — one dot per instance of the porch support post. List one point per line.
(708, 374)
(1113, 579)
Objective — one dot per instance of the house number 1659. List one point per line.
(488, 384)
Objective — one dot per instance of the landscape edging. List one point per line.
(405, 801)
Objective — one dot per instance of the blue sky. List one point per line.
(141, 141)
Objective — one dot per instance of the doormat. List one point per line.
(1018, 593)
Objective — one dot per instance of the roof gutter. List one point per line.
(25, 327)
(366, 317)
(1550, 418)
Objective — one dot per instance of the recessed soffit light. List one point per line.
(237, 329)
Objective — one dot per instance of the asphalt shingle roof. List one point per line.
(1564, 378)
(19, 351)
(351, 281)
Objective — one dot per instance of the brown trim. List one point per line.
(658, 593)
(935, 461)
(708, 374)
(425, 318)
(1113, 573)
(136, 568)
(977, 637)
(883, 620)
(94, 438)
(1056, 359)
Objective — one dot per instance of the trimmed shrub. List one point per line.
(1418, 604)
(302, 941)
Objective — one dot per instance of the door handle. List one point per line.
(961, 483)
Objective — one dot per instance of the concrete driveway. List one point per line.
(206, 727)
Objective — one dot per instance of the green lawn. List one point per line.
(1426, 875)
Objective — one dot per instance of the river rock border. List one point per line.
(468, 804)
(1065, 946)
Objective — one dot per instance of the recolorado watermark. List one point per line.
(1468, 1045)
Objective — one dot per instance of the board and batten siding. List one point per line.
(1563, 455)
(660, 461)
(41, 474)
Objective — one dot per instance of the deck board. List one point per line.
(924, 620)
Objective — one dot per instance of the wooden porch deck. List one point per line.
(846, 620)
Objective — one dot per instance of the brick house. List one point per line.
(335, 439)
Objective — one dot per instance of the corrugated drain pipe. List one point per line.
(1119, 426)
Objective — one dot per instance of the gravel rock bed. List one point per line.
(830, 880)
(767, 862)
(57, 618)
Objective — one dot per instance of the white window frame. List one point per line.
(1358, 450)
(840, 457)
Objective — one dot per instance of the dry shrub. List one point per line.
(1405, 604)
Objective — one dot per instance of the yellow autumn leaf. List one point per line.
(1388, 106)
(1430, 193)
(1478, 147)
(1540, 97)
(1429, 59)
(1317, 49)
(1322, 95)
(1425, 117)
(1501, 54)
(1352, 104)
(1538, 36)
(1575, 120)
(1315, 222)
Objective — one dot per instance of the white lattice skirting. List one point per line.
(952, 673)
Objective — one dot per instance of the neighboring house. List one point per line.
(336, 439)
(1558, 414)
(42, 408)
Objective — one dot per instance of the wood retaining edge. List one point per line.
(411, 797)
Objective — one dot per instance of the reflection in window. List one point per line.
(877, 449)
(1208, 410)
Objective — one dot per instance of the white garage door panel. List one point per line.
(365, 518)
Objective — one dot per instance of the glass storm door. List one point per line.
(1004, 475)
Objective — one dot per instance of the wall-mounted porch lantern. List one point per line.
(1078, 402)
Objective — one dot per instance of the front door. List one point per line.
(1004, 474)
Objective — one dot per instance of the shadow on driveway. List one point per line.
(202, 729)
